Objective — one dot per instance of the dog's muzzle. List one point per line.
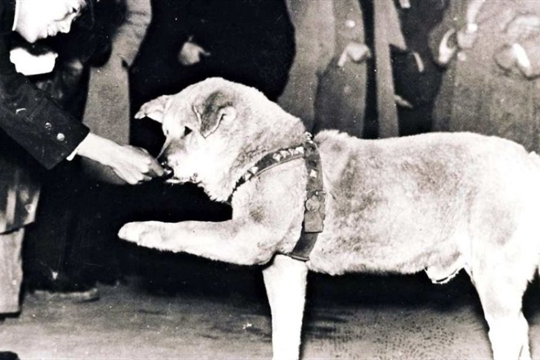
(168, 176)
(168, 171)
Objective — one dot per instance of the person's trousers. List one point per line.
(11, 272)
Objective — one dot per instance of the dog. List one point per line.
(438, 202)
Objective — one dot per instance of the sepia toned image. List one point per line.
(269, 179)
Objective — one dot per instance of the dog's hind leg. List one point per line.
(285, 280)
(509, 337)
(501, 293)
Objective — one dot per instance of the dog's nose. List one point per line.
(168, 173)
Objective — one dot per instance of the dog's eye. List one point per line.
(187, 131)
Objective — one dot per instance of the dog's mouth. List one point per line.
(173, 179)
(170, 177)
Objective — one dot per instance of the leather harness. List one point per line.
(314, 205)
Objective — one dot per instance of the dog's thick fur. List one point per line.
(435, 202)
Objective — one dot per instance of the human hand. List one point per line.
(135, 165)
(466, 37)
(191, 53)
(400, 101)
(131, 164)
(356, 52)
(447, 48)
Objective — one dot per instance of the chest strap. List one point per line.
(314, 208)
(314, 205)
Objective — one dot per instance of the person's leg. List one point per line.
(11, 272)
(8, 355)
(52, 239)
(94, 251)
(47, 239)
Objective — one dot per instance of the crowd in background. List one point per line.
(370, 68)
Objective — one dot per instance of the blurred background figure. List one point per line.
(417, 77)
(490, 53)
(347, 81)
(336, 68)
(313, 53)
(333, 83)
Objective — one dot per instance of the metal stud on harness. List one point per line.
(314, 205)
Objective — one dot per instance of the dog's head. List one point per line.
(216, 129)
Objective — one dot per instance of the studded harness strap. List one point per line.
(314, 206)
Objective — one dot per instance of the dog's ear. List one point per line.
(212, 110)
(154, 109)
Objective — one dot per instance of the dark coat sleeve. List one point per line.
(45, 131)
(270, 48)
(250, 41)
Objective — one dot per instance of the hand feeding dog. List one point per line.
(434, 202)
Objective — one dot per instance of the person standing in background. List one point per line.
(417, 77)
(344, 91)
(314, 33)
(491, 85)
(247, 41)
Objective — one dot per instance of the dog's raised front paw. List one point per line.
(147, 233)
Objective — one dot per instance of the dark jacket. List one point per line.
(344, 93)
(32, 128)
(19, 186)
(31, 119)
(477, 94)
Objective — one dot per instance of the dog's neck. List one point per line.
(283, 134)
(278, 157)
(286, 131)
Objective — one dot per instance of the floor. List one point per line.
(222, 313)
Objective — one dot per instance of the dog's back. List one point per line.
(425, 202)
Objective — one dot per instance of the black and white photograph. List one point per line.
(269, 179)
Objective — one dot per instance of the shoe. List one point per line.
(4, 316)
(79, 296)
(64, 288)
(8, 355)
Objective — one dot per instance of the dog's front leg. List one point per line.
(285, 280)
(234, 241)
